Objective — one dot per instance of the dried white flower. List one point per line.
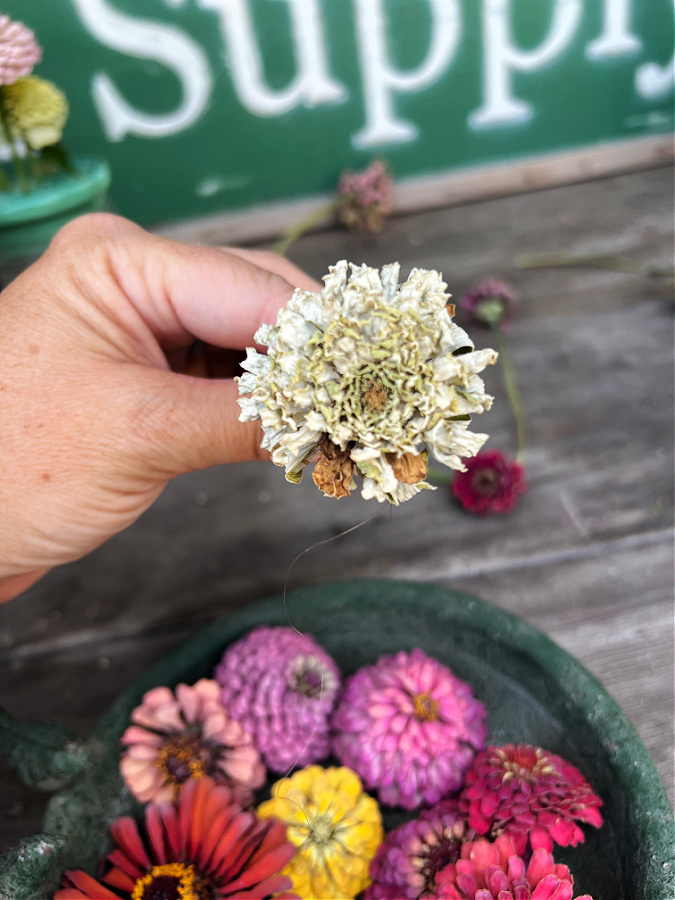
(370, 377)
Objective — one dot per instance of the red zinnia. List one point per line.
(497, 872)
(490, 484)
(522, 791)
(202, 847)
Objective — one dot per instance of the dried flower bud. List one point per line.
(19, 51)
(365, 198)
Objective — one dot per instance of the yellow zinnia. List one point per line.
(37, 111)
(335, 826)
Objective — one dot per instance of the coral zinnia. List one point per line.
(490, 303)
(365, 198)
(19, 51)
(490, 484)
(203, 847)
(282, 687)
(335, 827)
(409, 728)
(367, 377)
(522, 791)
(189, 735)
(407, 863)
(496, 872)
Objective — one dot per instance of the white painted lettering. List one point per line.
(381, 79)
(146, 40)
(502, 58)
(653, 80)
(312, 83)
(616, 38)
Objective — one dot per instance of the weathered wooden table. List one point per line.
(587, 556)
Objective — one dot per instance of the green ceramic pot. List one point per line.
(28, 222)
(533, 691)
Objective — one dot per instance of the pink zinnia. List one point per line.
(19, 51)
(497, 872)
(203, 846)
(490, 303)
(407, 862)
(365, 198)
(524, 791)
(188, 735)
(409, 728)
(282, 687)
(490, 484)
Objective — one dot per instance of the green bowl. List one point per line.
(28, 222)
(533, 691)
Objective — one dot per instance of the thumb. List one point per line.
(185, 423)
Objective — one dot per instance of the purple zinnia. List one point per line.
(491, 304)
(407, 862)
(282, 687)
(409, 728)
(19, 51)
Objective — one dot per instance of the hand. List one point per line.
(98, 404)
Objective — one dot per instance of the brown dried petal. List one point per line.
(333, 471)
(411, 468)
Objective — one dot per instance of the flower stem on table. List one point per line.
(613, 263)
(513, 394)
(297, 231)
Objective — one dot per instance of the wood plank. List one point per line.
(438, 190)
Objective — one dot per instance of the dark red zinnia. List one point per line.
(526, 792)
(202, 847)
(490, 484)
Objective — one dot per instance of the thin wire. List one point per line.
(313, 547)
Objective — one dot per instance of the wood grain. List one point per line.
(587, 556)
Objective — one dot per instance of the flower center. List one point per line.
(322, 830)
(426, 708)
(438, 851)
(375, 396)
(310, 677)
(485, 482)
(184, 756)
(490, 311)
(174, 881)
(524, 762)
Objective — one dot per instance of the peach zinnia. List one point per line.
(185, 735)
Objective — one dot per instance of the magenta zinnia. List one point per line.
(409, 728)
(282, 687)
(407, 863)
(19, 51)
(187, 735)
(203, 847)
(497, 872)
(524, 791)
(490, 483)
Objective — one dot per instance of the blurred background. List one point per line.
(510, 129)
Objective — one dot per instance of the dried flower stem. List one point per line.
(314, 218)
(19, 168)
(613, 263)
(513, 394)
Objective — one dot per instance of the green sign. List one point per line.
(207, 105)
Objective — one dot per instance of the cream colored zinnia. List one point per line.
(367, 377)
(37, 111)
